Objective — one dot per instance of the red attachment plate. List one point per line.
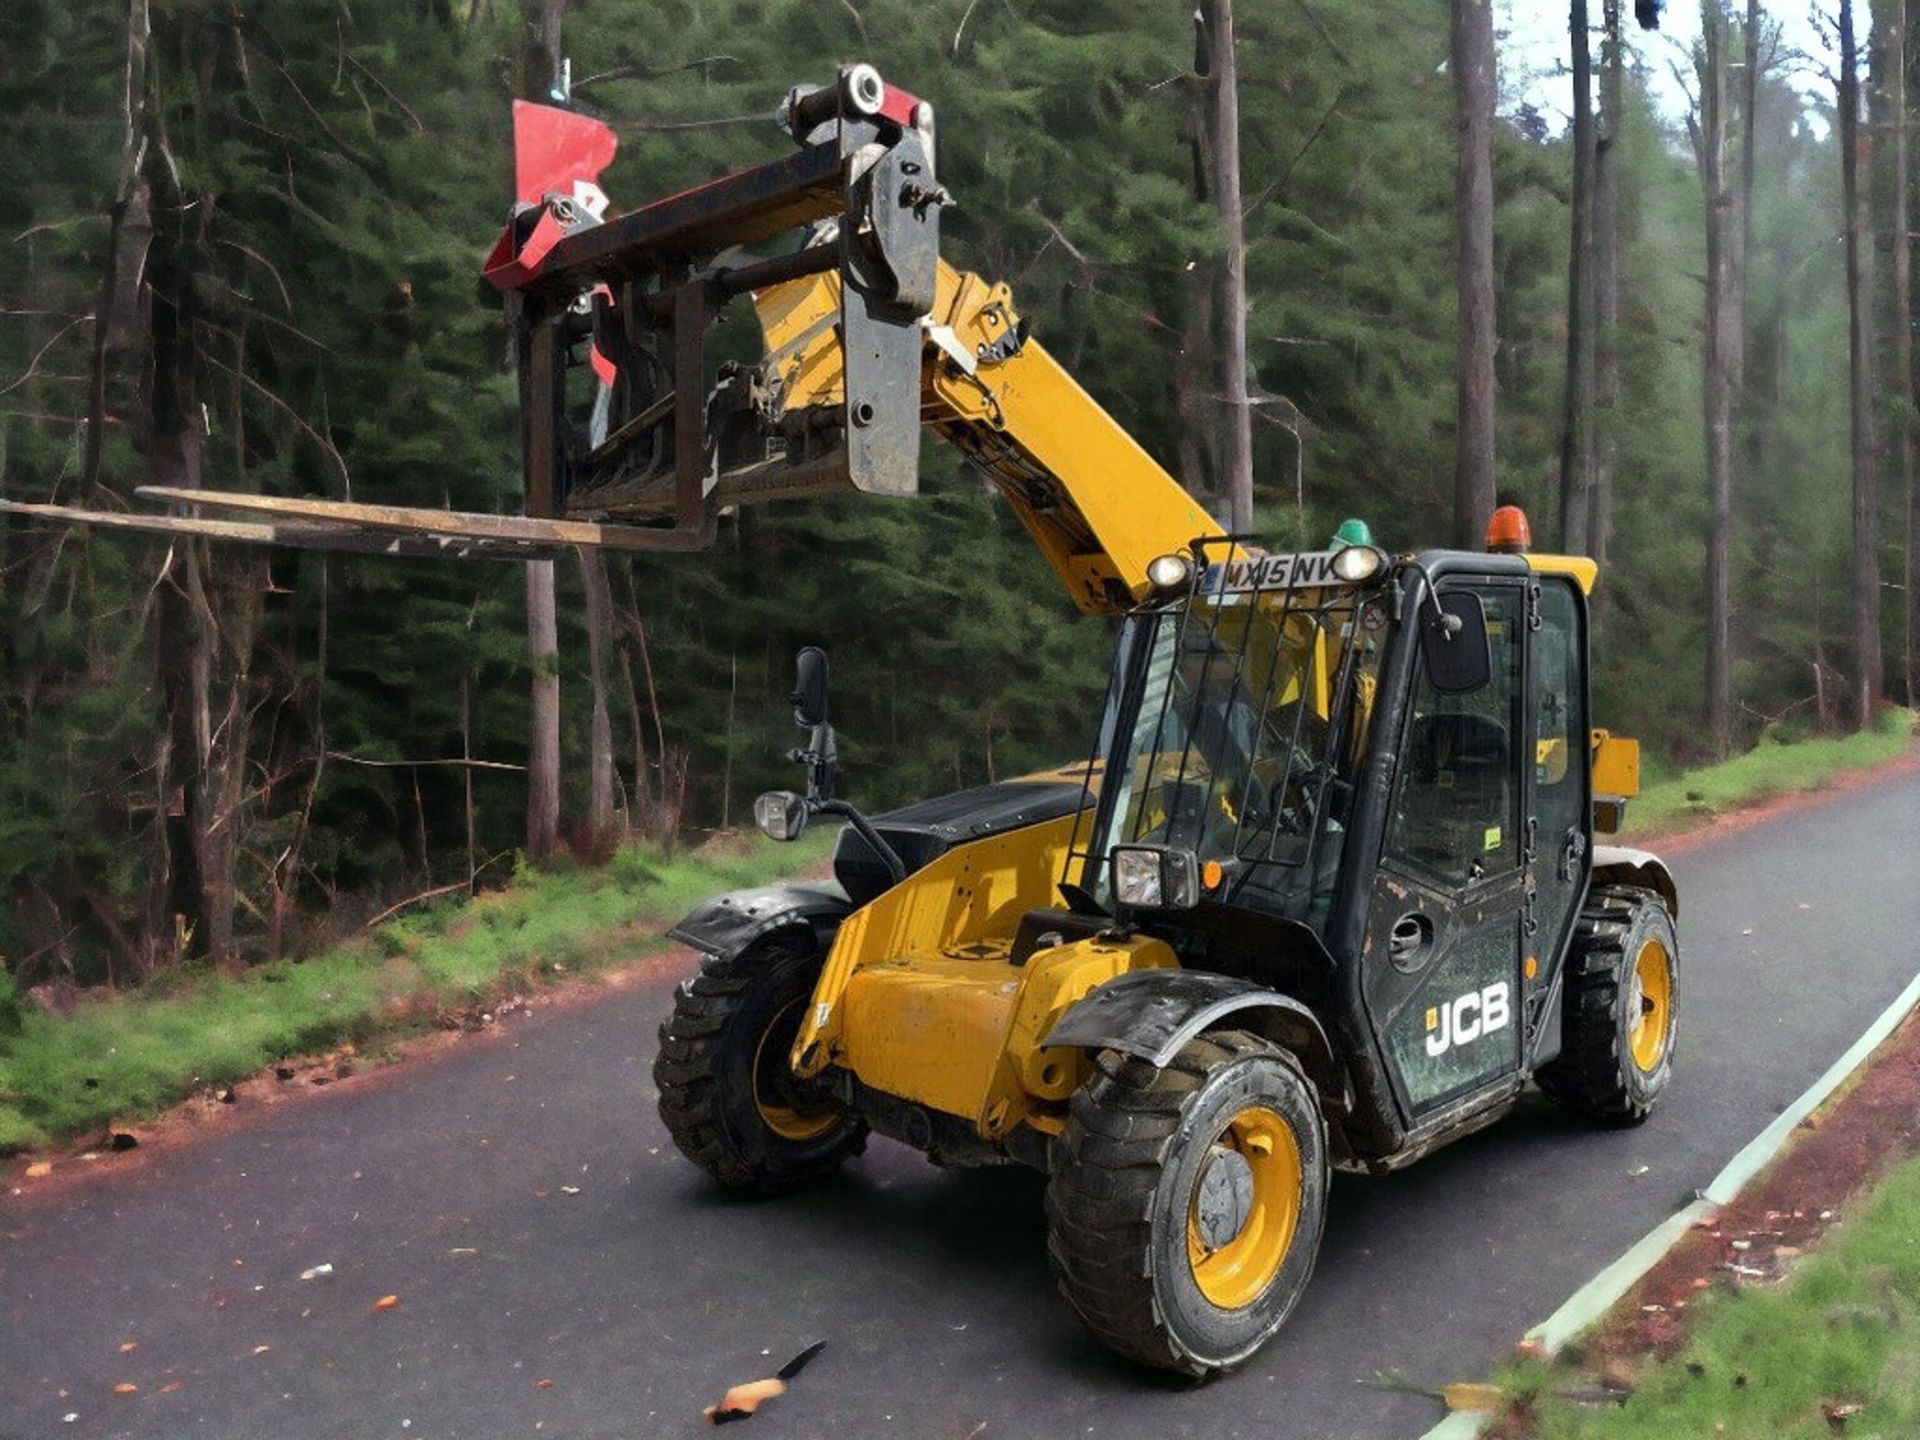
(898, 105)
(552, 148)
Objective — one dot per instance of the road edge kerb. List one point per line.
(1599, 1294)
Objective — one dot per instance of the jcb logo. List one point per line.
(1476, 1013)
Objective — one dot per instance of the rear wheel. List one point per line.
(1185, 1204)
(1622, 984)
(728, 1094)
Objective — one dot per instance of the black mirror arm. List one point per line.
(896, 867)
(1450, 625)
(821, 756)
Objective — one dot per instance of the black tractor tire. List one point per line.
(1597, 1073)
(1124, 1182)
(722, 1069)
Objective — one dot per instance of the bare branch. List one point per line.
(48, 225)
(455, 763)
(285, 298)
(33, 366)
(865, 39)
(629, 126)
(1325, 34)
(387, 91)
(965, 16)
(642, 72)
(333, 451)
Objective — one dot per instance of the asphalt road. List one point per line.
(644, 1295)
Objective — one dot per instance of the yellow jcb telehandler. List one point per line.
(1325, 896)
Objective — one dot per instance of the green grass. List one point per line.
(131, 1055)
(1845, 1329)
(1776, 766)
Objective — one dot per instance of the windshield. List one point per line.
(1245, 740)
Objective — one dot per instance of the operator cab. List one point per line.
(1374, 775)
(1242, 725)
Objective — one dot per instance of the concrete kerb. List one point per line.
(1598, 1295)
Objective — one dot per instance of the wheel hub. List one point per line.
(1223, 1200)
(1649, 1006)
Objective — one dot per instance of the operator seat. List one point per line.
(1457, 791)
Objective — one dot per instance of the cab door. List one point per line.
(1558, 844)
(1446, 925)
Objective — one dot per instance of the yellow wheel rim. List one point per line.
(1650, 1005)
(1233, 1270)
(786, 1121)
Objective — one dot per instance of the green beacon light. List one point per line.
(1352, 532)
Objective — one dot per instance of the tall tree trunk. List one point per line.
(1193, 382)
(1709, 134)
(1749, 150)
(1473, 89)
(128, 232)
(1865, 568)
(1576, 441)
(1230, 334)
(1899, 68)
(543, 641)
(599, 611)
(1606, 282)
(543, 738)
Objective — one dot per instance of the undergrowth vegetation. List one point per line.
(121, 1057)
(1781, 764)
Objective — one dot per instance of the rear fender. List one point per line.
(728, 925)
(1152, 1013)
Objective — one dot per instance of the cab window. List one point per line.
(1456, 810)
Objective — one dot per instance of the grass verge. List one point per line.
(130, 1055)
(1776, 766)
(1834, 1351)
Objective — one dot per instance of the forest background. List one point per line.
(239, 247)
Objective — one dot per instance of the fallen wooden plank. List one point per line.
(337, 537)
(459, 524)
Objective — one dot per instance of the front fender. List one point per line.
(728, 924)
(1152, 1013)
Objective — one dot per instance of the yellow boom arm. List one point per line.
(1098, 506)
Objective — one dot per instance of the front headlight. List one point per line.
(1357, 562)
(1168, 574)
(1154, 877)
(1136, 878)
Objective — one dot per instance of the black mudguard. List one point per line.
(728, 924)
(1152, 1013)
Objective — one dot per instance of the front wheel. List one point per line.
(1185, 1205)
(728, 1095)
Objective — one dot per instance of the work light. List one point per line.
(1168, 573)
(1155, 877)
(780, 814)
(1357, 563)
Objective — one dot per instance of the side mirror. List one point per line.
(810, 687)
(781, 814)
(1458, 654)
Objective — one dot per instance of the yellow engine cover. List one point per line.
(920, 1000)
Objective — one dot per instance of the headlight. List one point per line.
(780, 814)
(1152, 877)
(1167, 573)
(1357, 562)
